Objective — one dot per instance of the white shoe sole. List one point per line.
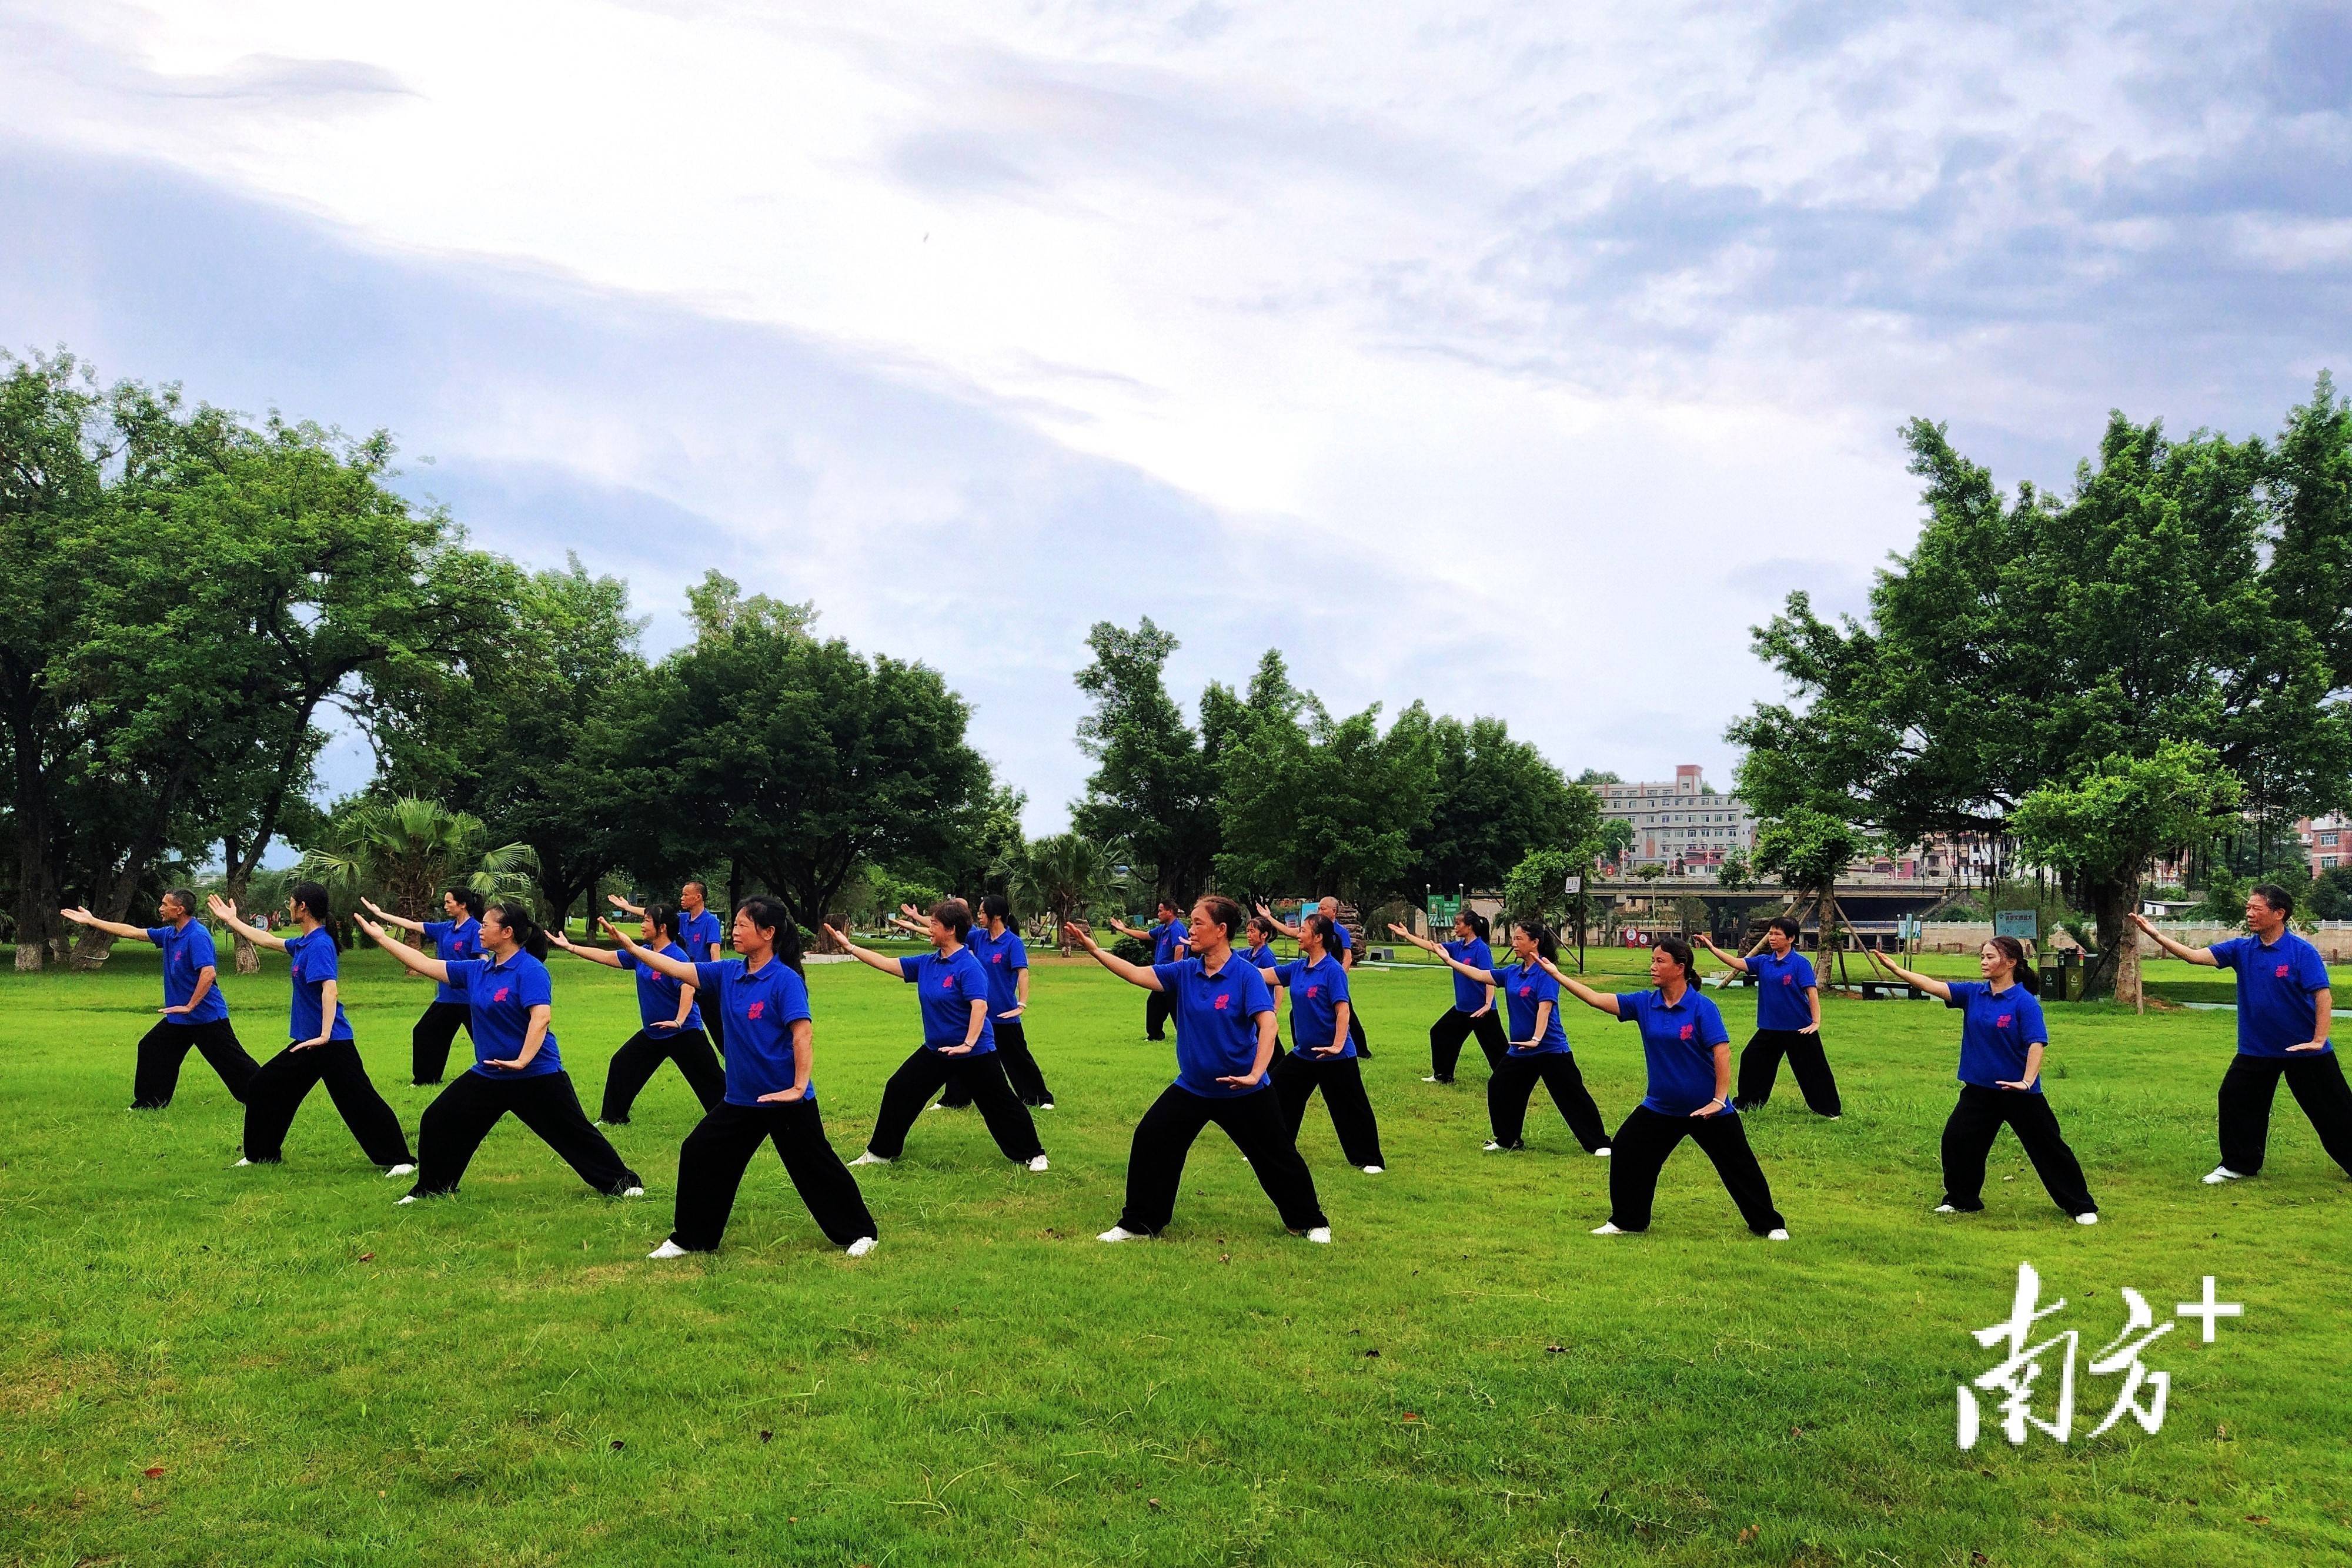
(1606, 1231)
(2090, 1218)
(1038, 1164)
(2220, 1174)
(1776, 1236)
(666, 1249)
(870, 1158)
(860, 1247)
(400, 1170)
(1320, 1236)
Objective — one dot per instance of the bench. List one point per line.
(1871, 989)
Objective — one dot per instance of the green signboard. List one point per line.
(2025, 925)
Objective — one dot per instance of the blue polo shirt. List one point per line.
(501, 996)
(1780, 985)
(760, 1009)
(1523, 986)
(188, 952)
(1216, 1023)
(2275, 1005)
(1166, 939)
(946, 988)
(454, 939)
(1678, 1043)
(313, 962)
(1002, 959)
(1317, 989)
(1261, 956)
(696, 933)
(658, 994)
(1469, 995)
(1995, 1031)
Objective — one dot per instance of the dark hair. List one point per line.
(1677, 949)
(1259, 923)
(1169, 905)
(1546, 946)
(767, 914)
(310, 895)
(2013, 950)
(995, 907)
(955, 914)
(1787, 924)
(1224, 912)
(2274, 895)
(467, 897)
(1476, 922)
(1324, 927)
(699, 885)
(662, 918)
(522, 925)
(186, 897)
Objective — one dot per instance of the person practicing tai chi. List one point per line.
(322, 1049)
(1788, 1022)
(1224, 1043)
(2002, 1040)
(1004, 959)
(193, 1014)
(959, 1044)
(2285, 1011)
(517, 1066)
(1260, 952)
(1473, 1012)
(699, 934)
(459, 937)
(1345, 948)
(669, 1020)
(771, 1093)
(1688, 1053)
(1321, 1056)
(1170, 943)
(1537, 1048)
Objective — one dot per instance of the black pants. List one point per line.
(162, 1049)
(462, 1115)
(710, 1168)
(428, 1043)
(1155, 1162)
(1514, 1084)
(1976, 1122)
(921, 1075)
(714, 1023)
(1640, 1153)
(1156, 1010)
(1355, 1034)
(1020, 1069)
(1759, 1065)
(1295, 1079)
(2316, 1081)
(287, 1079)
(1452, 1026)
(641, 1056)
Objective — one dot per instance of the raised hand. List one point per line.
(80, 915)
(373, 907)
(610, 929)
(560, 939)
(616, 901)
(840, 941)
(1078, 935)
(220, 906)
(370, 926)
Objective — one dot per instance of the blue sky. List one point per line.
(1516, 357)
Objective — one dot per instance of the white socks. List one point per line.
(870, 1158)
(667, 1250)
(1038, 1164)
(2220, 1174)
(403, 1168)
(861, 1246)
(1121, 1233)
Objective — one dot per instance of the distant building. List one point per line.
(1682, 824)
(2328, 840)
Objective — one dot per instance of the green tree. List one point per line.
(1069, 876)
(2025, 640)
(1537, 886)
(1807, 850)
(2100, 831)
(405, 851)
(1495, 799)
(1154, 787)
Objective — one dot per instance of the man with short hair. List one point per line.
(1171, 944)
(2284, 1007)
(194, 1013)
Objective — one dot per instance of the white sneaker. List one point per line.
(1429, 1078)
(240, 1164)
(667, 1250)
(1776, 1236)
(403, 1168)
(861, 1246)
(2220, 1174)
(936, 1105)
(633, 1192)
(1047, 1106)
(1601, 1153)
(1946, 1208)
(1038, 1164)
(2090, 1218)
(1492, 1148)
(1120, 1233)
(1320, 1236)
(1374, 1170)
(870, 1158)
(1606, 1230)
(410, 1198)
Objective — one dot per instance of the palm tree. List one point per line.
(1065, 876)
(407, 849)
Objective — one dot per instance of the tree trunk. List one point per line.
(2116, 974)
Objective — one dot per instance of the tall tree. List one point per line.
(1154, 788)
(1496, 799)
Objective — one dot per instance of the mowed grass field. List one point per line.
(207, 1366)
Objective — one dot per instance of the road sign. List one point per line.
(1575, 884)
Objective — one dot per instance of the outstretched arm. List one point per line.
(2178, 949)
(624, 906)
(1733, 959)
(1292, 931)
(432, 968)
(867, 957)
(1939, 989)
(1124, 929)
(1469, 971)
(659, 963)
(389, 918)
(1605, 1001)
(1133, 974)
(81, 916)
(225, 913)
(611, 960)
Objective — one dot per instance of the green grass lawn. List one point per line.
(1465, 1376)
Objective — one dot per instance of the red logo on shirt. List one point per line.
(500, 995)
(1314, 991)
(1527, 990)
(2002, 1022)
(947, 982)
(2282, 971)
(755, 1009)
(1788, 979)
(1223, 997)
(996, 958)
(1689, 1030)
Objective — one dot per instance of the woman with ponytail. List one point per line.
(771, 1088)
(517, 1066)
(1538, 1049)
(2002, 1038)
(669, 1016)
(1473, 1012)
(1688, 1054)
